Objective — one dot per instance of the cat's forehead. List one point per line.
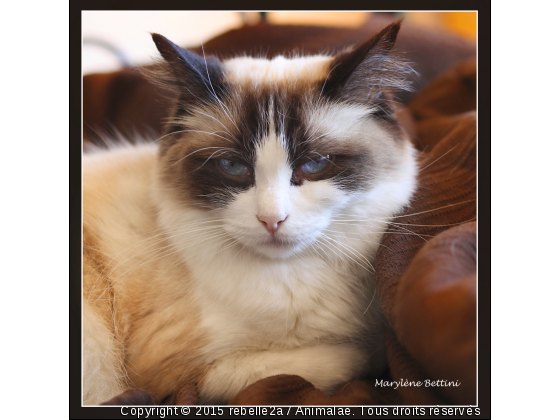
(277, 71)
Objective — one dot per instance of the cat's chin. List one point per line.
(277, 248)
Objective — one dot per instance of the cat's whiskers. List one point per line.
(439, 208)
(346, 233)
(205, 148)
(159, 229)
(313, 138)
(144, 250)
(210, 157)
(312, 119)
(371, 301)
(230, 245)
(187, 131)
(115, 257)
(339, 179)
(380, 221)
(201, 239)
(328, 257)
(430, 225)
(245, 245)
(431, 163)
(354, 252)
(163, 252)
(162, 235)
(218, 121)
(363, 259)
(322, 255)
(363, 222)
(210, 133)
(144, 261)
(222, 105)
(334, 251)
(415, 234)
(365, 218)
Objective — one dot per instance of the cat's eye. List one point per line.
(316, 166)
(233, 168)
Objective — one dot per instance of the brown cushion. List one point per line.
(435, 311)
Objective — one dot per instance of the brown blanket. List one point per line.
(426, 266)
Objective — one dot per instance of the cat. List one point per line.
(240, 245)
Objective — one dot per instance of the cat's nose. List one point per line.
(272, 223)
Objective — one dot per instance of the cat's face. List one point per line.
(278, 149)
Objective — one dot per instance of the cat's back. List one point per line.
(117, 210)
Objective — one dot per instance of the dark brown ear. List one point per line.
(364, 74)
(192, 76)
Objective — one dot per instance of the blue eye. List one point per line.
(233, 168)
(316, 166)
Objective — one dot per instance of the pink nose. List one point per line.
(272, 223)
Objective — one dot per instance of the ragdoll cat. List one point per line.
(240, 246)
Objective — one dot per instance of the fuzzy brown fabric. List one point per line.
(185, 394)
(425, 268)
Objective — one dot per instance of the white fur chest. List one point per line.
(264, 305)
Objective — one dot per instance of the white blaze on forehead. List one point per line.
(340, 121)
(280, 69)
(272, 177)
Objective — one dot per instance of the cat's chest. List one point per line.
(268, 304)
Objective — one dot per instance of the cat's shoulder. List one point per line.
(117, 157)
(117, 182)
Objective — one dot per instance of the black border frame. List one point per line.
(483, 166)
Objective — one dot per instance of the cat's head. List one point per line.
(277, 148)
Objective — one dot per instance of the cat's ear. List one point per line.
(370, 72)
(188, 73)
